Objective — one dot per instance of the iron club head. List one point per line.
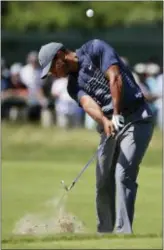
(63, 184)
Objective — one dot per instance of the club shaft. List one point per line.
(93, 157)
(86, 166)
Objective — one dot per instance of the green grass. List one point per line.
(92, 243)
(35, 160)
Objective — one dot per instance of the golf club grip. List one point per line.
(119, 133)
(126, 127)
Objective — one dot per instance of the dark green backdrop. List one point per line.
(137, 43)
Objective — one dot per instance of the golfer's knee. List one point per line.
(102, 185)
(125, 177)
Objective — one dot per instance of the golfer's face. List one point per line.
(59, 68)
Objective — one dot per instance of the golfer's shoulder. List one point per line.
(92, 42)
(89, 45)
(98, 46)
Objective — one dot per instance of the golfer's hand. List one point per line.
(118, 122)
(108, 127)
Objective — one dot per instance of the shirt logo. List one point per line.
(138, 95)
(90, 67)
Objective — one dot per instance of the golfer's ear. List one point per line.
(61, 54)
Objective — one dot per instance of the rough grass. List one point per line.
(35, 160)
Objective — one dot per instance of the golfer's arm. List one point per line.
(115, 85)
(92, 109)
(150, 97)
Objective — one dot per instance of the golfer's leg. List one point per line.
(105, 187)
(132, 149)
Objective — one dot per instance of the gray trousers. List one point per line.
(116, 174)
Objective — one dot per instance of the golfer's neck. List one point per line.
(72, 60)
(74, 66)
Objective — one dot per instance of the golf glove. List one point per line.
(118, 122)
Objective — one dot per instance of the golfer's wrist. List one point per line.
(104, 119)
(116, 112)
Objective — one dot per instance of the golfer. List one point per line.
(105, 88)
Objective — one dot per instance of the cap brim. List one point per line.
(46, 70)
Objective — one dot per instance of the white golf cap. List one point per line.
(46, 56)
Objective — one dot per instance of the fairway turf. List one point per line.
(85, 243)
(35, 160)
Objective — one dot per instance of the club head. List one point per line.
(65, 187)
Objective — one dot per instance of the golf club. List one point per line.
(85, 167)
(68, 188)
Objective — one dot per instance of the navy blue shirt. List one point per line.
(95, 57)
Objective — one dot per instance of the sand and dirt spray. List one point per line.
(54, 219)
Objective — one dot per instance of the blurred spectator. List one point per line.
(4, 69)
(151, 72)
(158, 103)
(19, 89)
(5, 80)
(24, 94)
(13, 99)
(30, 76)
(19, 93)
(5, 89)
(140, 70)
(126, 62)
(147, 75)
(67, 111)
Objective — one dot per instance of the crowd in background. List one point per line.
(25, 97)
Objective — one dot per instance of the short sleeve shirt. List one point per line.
(95, 57)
